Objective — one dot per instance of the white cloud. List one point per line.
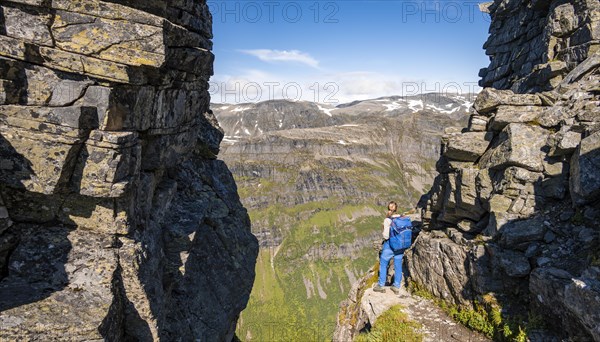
(364, 85)
(268, 55)
(252, 85)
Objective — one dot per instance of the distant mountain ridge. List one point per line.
(253, 119)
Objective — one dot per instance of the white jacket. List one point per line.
(387, 223)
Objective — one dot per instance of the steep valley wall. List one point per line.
(117, 221)
(515, 211)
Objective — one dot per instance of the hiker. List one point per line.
(397, 234)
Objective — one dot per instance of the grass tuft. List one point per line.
(486, 317)
(392, 325)
(418, 290)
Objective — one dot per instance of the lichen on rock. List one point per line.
(116, 219)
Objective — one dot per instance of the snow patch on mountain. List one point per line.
(414, 104)
(326, 110)
(392, 106)
(442, 110)
(266, 118)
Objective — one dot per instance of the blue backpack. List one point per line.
(400, 233)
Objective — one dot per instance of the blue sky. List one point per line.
(339, 51)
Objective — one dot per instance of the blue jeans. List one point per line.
(384, 261)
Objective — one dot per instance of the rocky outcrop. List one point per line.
(519, 217)
(360, 312)
(352, 318)
(534, 44)
(116, 220)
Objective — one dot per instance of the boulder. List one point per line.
(109, 165)
(555, 168)
(478, 123)
(490, 99)
(563, 20)
(581, 299)
(565, 143)
(499, 203)
(514, 174)
(555, 187)
(572, 300)
(460, 199)
(485, 276)
(468, 146)
(351, 318)
(553, 116)
(514, 114)
(440, 265)
(38, 86)
(586, 66)
(590, 112)
(517, 145)
(50, 158)
(526, 204)
(456, 236)
(26, 25)
(468, 226)
(516, 181)
(375, 304)
(519, 234)
(547, 288)
(514, 264)
(497, 221)
(129, 42)
(484, 185)
(445, 202)
(85, 271)
(468, 204)
(585, 178)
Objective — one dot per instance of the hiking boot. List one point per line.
(378, 288)
(395, 289)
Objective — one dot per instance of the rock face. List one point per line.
(117, 221)
(352, 318)
(520, 216)
(534, 44)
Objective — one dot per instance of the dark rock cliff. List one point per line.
(117, 221)
(515, 210)
(534, 44)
